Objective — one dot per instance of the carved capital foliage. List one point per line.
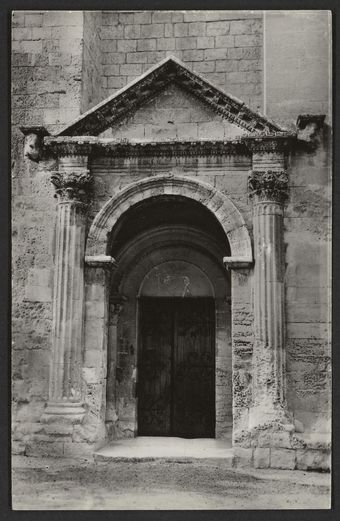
(72, 185)
(269, 185)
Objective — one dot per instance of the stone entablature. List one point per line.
(95, 147)
(56, 146)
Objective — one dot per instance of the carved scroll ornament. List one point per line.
(72, 185)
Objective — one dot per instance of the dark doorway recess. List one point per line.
(176, 367)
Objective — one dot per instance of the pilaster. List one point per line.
(116, 307)
(72, 182)
(268, 188)
(98, 270)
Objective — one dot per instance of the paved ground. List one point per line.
(53, 484)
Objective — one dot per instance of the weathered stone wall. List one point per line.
(224, 46)
(308, 285)
(297, 76)
(297, 81)
(47, 66)
(91, 82)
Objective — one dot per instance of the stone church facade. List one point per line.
(171, 243)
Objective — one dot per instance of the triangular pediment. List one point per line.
(170, 75)
(173, 114)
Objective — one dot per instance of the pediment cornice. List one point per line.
(141, 90)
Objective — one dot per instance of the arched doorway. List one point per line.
(169, 349)
(176, 352)
(163, 218)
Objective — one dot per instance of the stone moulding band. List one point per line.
(58, 146)
(71, 412)
(93, 146)
(269, 143)
(237, 262)
(100, 261)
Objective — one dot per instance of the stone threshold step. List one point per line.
(155, 448)
(228, 461)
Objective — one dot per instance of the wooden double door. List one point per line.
(176, 367)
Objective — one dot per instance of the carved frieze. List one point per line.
(269, 185)
(67, 146)
(278, 142)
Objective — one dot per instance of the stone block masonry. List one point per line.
(48, 69)
(214, 43)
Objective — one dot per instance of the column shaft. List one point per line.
(268, 305)
(65, 390)
(65, 383)
(269, 188)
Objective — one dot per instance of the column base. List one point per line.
(270, 417)
(267, 427)
(63, 412)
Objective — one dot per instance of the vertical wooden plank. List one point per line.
(154, 367)
(194, 369)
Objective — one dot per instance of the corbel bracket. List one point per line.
(34, 140)
(309, 127)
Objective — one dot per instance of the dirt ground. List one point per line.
(52, 484)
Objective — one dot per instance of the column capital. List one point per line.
(72, 185)
(118, 302)
(73, 179)
(268, 185)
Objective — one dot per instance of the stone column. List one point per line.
(72, 182)
(268, 185)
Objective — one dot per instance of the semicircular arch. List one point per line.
(220, 205)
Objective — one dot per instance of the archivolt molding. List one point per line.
(220, 205)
